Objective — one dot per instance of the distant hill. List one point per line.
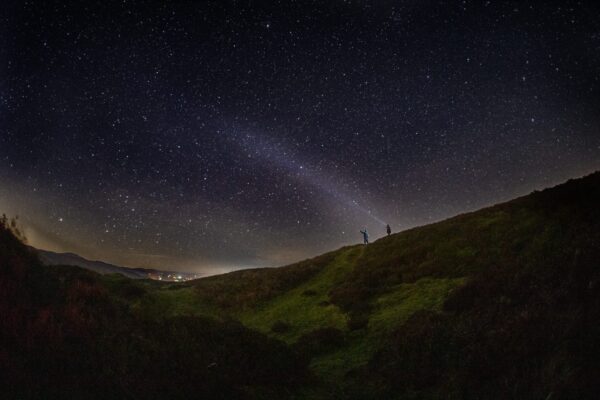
(499, 303)
(51, 258)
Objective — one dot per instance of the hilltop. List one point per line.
(498, 303)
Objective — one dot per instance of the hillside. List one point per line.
(498, 303)
(51, 258)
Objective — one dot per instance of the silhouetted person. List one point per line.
(388, 230)
(365, 236)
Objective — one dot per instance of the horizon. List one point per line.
(221, 136)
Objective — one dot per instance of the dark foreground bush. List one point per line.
(63, 336)
(280, 327)
(319, 341)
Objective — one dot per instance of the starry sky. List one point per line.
(216, 135)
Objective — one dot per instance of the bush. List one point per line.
(320, 341)
(280, 327)
(358, 321)
(63, 333)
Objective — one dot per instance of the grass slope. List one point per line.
(498, 303)
(306, 307)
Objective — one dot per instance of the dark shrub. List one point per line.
(320, 341)
(131, 290)
(63, 336)
(351, 298)
(358, 321)
(280, 327)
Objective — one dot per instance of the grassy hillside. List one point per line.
(498, 303)
(342, 309)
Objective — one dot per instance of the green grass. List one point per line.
(304, 308)
(307, 306)
(395, 307)
(389, 311)
(169, 302)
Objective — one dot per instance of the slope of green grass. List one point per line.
(394, 308)
(305, 307)
(389, 311)
(302, 309)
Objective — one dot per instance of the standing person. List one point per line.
(365, 236)
(388, 230)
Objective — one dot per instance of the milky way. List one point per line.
(233, 134)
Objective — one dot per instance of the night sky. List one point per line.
(233, 134)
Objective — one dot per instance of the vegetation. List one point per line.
(67, 332)
(499, 303)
